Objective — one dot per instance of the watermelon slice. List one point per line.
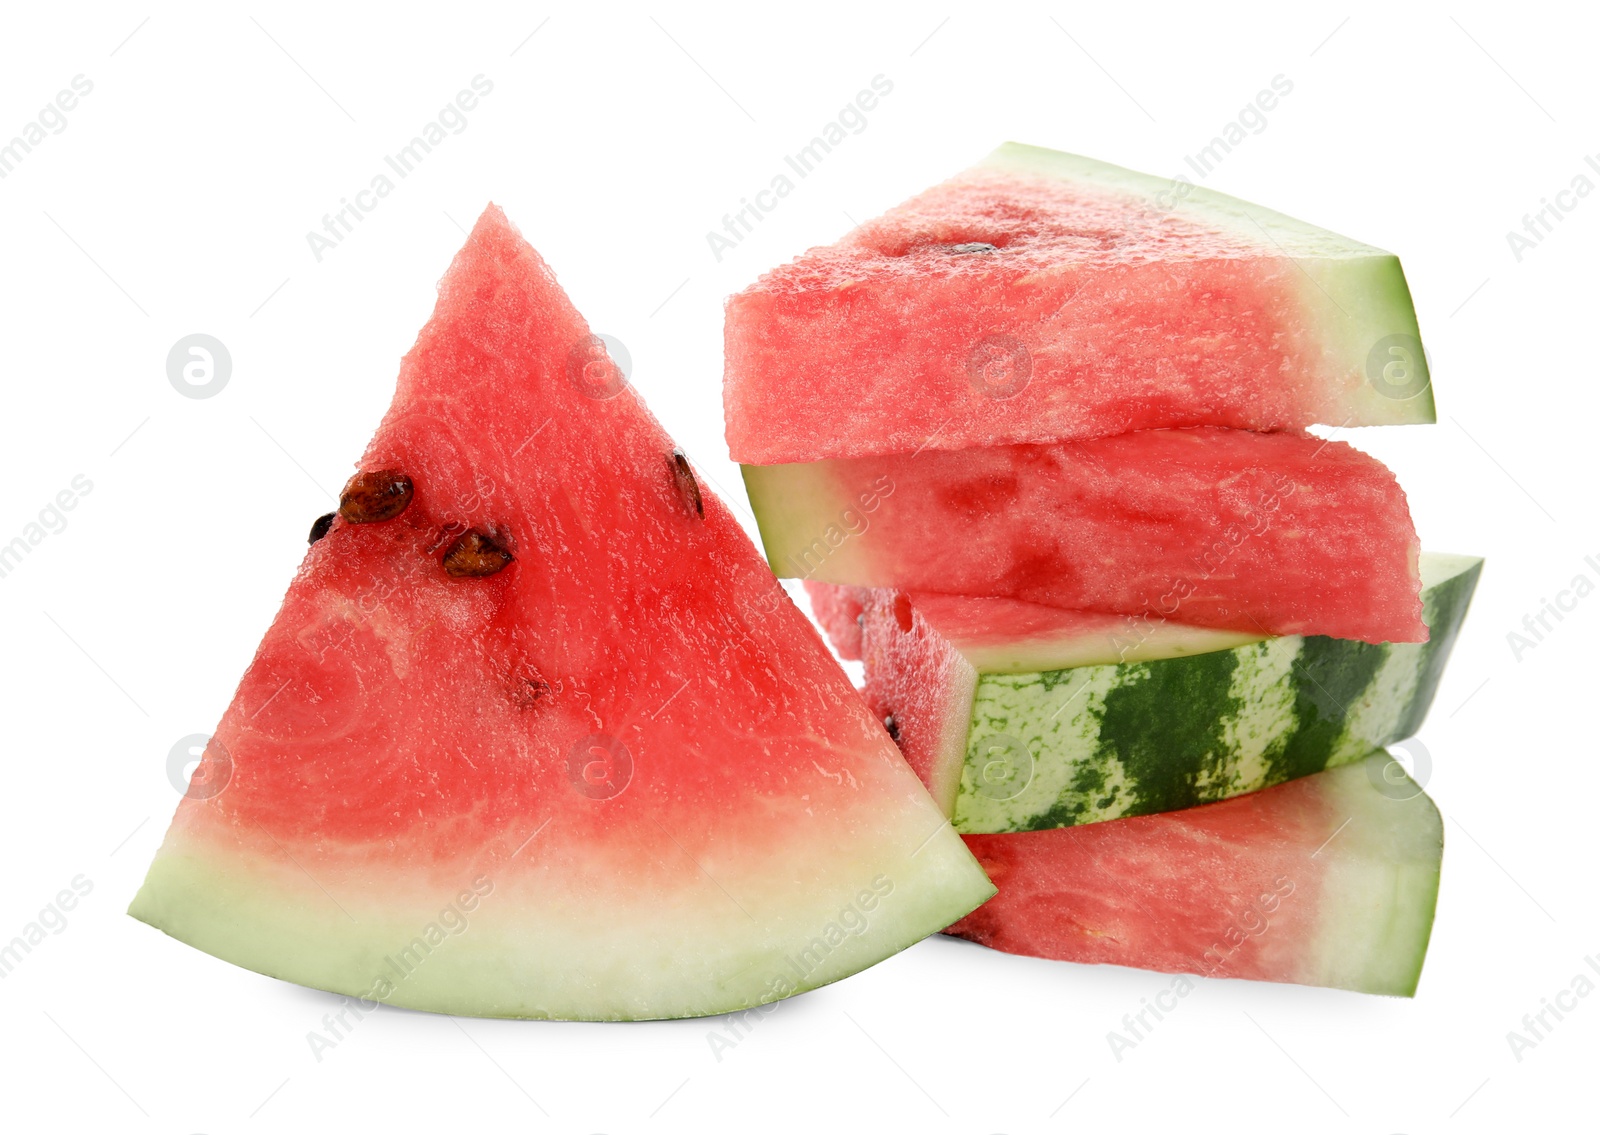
(1260, 533)
(1042, 296)
(839, 611)
(1326, 880)
(1020, 717)
(535, 732)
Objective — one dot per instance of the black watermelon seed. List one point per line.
(970, 247)
(893, 727)
(320, 526)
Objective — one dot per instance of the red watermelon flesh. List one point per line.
(838, 610)
(921, 680)
(1042, 296)
(619, 778)
(1259, 533)
(1326, 880)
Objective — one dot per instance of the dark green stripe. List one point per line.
(1164, 725)
(1330, 674)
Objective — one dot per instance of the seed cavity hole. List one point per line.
(688, 487)
(902, 613)
(474, 555)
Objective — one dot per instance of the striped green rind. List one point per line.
(1082, 744)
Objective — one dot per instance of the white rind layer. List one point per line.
(553, 934)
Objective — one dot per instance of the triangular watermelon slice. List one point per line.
(542, 736)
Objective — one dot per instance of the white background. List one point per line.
(177, 200)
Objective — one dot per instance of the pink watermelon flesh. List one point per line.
(919, 680)
(838, 609)
(1327, 880)
(621, 778)
(1260, 533)
(1042, 296)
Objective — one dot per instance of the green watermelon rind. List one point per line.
(1379, 894)
(808, 526)
(1172, 195)
(1357, 293)
(1249, 716)
(512, 958)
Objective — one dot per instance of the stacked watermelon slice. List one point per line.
(1037, 441)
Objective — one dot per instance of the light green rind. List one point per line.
(1358, 293)
(1368, 314)
(1083, 744)
(1123, 640)
(1380, 886)
(1254, 222)
(809, 525)
(540, 943)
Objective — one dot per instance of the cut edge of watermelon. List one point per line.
(1360, 290)
(1088, 639)
(1096, 640)
(814, 519)
(931, 699)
